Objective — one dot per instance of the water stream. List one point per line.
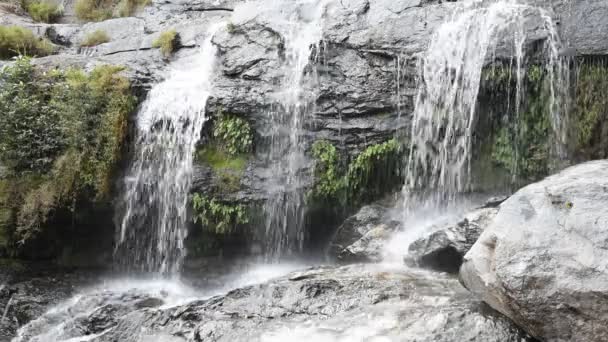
(294, 98)
(445, 115)
(152, 229)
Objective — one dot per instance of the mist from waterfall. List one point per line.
(151, 232)
(445, 115)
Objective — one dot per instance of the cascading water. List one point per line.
(285, 207)
(153, 226)
(443, 124)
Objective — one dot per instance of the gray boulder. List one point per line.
(361, 237)
(543, 261)
(444, 248)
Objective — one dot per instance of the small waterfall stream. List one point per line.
(153, 227)
(294, 102)
(445, 115)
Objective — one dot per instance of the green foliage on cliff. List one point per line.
(61, 134)
(99, 10)
(216, 216)
(371, 174)
(227, 151)
(167, 42)
(95, 38)
(591, 109)
(15, 41)
(44, 11)
(521, 145)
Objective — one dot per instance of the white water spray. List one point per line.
(152, 230)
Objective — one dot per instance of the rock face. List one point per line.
(353, 303)
(444, 248)
(361, 237)
(543, 261)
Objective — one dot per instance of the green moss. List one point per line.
(167, 42)
(216, 216)
(60, 137)
(95, 38)
(44, 11)
(16, 41)
(219, 160)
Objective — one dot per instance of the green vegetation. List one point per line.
(99, 10)
(373, 173)
(15, 41)
(228, 151)
(95, 38)
(591, 109)
(218, 217)
(44, 11)
(167, 42)
(521, 145)
(61, 134)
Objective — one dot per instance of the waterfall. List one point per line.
(294, 101)
(443, 123)
(151, 232)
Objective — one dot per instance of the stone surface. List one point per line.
(353, 303)
(361, 237)
(444, 248)
(543, 261)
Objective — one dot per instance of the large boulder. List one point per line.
(543, 261)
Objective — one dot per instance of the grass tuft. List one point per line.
(95, 38)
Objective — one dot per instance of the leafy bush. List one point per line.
(233, 133)
(16, 41)
(374, 172)
(60, 137)
(216, 216)
(591, 108)
(95, 38)
(43, 11)
(167, 42)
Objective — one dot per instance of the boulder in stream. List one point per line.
(543, 260)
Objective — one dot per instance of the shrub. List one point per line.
(233, 133)
(15, 41)
(43, 11)
(93, 10)
(95, 38)
(167, 42)
(60, 137)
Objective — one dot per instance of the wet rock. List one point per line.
(361, 237)
(444, 248)
(543, 259)
(351, 303)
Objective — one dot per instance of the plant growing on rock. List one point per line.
(44, 11)
(60, 138)
(591, 109)
(233, 133)
(15, 41)
(95, 38)
(218, 217)
(99, 10)
(167, 42)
